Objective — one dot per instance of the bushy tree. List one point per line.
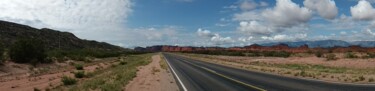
(28, 51)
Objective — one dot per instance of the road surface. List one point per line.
(194, 75)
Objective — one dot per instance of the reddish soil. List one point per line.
(152, 78)
(19, 77)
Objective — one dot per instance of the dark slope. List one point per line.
(11, 32)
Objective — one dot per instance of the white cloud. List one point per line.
(284, 37)
(255, 28)
(214, 38)
(325, 8)
(218, 40)
(90, 19)
(248, 5)
(287, 14)
(248, 16)
(363, 11)
(245, 39)
(204, 33)
(369, 32)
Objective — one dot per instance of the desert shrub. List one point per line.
(350, 55)
(2, 48)
(276, 54)
(89, 74)
(68, 80)
(79, 74)
(371, 80)
(318, 54)
(78, 66)
(369, 55)
(123, 62)
(331, 56)
(36, 89)
(27, 51)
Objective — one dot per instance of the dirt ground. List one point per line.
(342, 62)
(152, 78)
(347, 70)
(22, 77)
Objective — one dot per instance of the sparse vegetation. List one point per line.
(123, 62)
(319, 54)
(79, 74)
(371, 80)
(68, 80)
(114, 78)
(350, 55)
(163, 63)
(247, 53)
(331, 56)
(78, 66)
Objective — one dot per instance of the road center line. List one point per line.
(178, 78)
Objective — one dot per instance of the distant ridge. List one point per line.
(11, 32)
(325, 43)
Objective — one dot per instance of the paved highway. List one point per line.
(194, 75)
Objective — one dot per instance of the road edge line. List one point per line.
(178, 78)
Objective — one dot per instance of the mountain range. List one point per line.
(324, 43)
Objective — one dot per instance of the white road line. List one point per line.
(178, 78)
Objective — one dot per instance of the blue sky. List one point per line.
(226, 23)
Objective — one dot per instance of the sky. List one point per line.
(225, 23)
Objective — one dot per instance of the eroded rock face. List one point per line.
(11, 32)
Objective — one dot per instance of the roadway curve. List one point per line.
(194, 75)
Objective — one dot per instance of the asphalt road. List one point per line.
(194, 75)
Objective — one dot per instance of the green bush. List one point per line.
(276, 54)
(68, 80)
(318, 54)
(370, 55)
(350, 55)
(123, 62)
(28, 51)
(2, 48)
(79, 74)
(79, 66)
(331, 56)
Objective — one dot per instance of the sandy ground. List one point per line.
(353, 69)
(152, 78)
(19, 78)
(342, 62)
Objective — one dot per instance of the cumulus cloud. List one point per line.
(214, 38)
(287, 14)
(218, 40)
(264, 22)
(363, 11)
(204, 33)
(284, 37)
(90, 19)
(245, 39)
(325, 8)
(255, 28)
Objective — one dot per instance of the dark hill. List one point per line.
(52, 39)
